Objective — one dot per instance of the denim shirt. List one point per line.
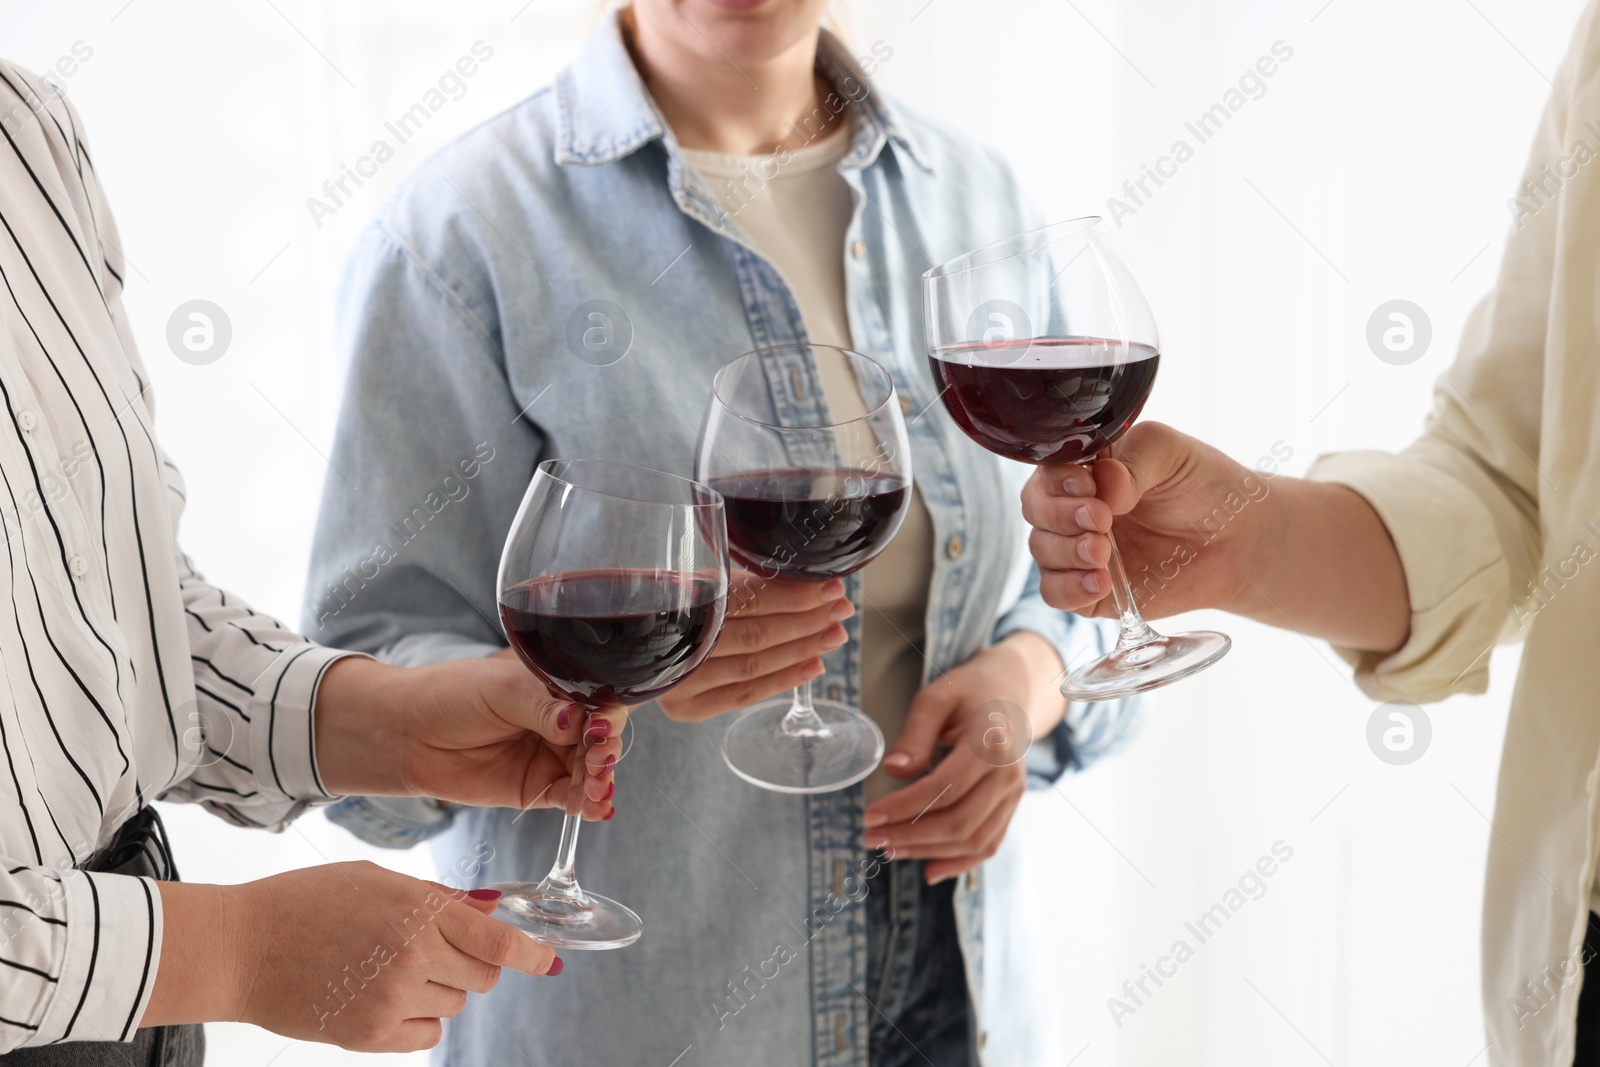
(558, 283)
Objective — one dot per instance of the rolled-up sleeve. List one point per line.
(1462, 503)
(78, 954)
(256, 685)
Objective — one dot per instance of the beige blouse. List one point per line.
(1495, 511)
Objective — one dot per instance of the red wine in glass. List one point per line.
(1045, 349)
(811, 524)
(612, 636)
(1045, 400)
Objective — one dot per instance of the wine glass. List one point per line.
(612, 589)
(815, 487)
(1045, 350)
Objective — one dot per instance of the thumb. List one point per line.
(517, 696)
(930, 710)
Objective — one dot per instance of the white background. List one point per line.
(1376, 166)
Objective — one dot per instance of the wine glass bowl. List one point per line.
(612, 589)
(1045, 350)
(807, 445)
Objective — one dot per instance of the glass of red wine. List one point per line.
(807, 445)
(612, 589)
(1045, 350)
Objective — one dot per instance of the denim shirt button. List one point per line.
(972, 881)
(859, 249)
(834, 692)
(905, 405)
(955, 546)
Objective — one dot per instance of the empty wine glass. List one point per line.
(815, 487)
(612, 589)
(1045, 351)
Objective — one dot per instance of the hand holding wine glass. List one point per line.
(773, 639)
(1160, 488)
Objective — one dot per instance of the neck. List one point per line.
(752, 108)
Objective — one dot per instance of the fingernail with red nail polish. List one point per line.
(607, 816)
(556, 967)
(598, 730)
(611, 761)
(611, 791)
(484, 894)
(564, 716)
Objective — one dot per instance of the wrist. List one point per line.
(360, 727)
(1039, 664)
(207, 962)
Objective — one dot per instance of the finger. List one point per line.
(939, 870)
(755, 633)
(1053, 551)
(1063, 514)
(930, 712)
(495, 943)
(1085, 592)
(957, 774)
(1117, 488)
(412, 1035)
(698, 707)
(438, 1001)
(480, 900)
(943, 870)
(520, 698)
(758, 594)
(954, 830)
(719, 671)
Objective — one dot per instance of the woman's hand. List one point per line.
(1183, 522)
(986, 711)
(773, 640)
(482, 731)
(349, 953)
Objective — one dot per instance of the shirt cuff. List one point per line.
(1456, 575)
(391, 822)
(282, 731)
(113, 943)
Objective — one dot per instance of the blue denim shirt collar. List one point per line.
(604, 111)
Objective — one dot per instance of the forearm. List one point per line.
(202, 967)
(1320, 561)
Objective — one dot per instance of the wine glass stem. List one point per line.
(562, 877)
(1134, 630)
(802, 720)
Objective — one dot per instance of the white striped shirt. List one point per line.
(123, 676)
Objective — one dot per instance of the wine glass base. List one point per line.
(584, 922)
(842, 753)
(1140, 668)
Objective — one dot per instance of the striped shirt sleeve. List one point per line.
(256, 685)
(78, 955)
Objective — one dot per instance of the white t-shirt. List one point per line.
(797, 220)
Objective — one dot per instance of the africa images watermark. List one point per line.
(337, 595)
(451, 85)
(742, 990)
(343, 988)
(1251, 885)
(806, 131)
(1540, 191)
(1154, 577)
(1252, 85)
(33, 103)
